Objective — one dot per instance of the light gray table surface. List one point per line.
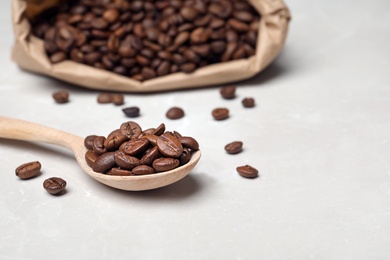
(319, 135)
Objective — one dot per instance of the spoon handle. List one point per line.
(17, 129)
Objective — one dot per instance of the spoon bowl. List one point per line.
(16, 129)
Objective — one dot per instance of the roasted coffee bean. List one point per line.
(125, 161)
(152, 138)
(218, 46)
(150, 155)
(54, 185)
(104, 162)
(118, 99)
(159, 130)
(228, 92)
(185, 156)
(114, 140)
(165, 164)
(234, 147)
(163, 68)
(98, 145)
(111, 15)
(131, 129)
(88, 141)
(248, 102)
(220, 113)
(116, 171)
(90, 157)
(188, 67)
(247, 171)
(135, 147)
(143, 170)
(28, 170)
(119, 172)
(57, 57)
(61, 97)
(169, 145)
(189, 142)
(175, 113)
(131, 111)
(104, 98)
(189, 13)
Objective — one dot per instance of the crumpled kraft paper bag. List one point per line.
(29, 54)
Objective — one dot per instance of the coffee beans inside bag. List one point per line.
(146, 46)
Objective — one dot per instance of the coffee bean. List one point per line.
(220, 113)
(131, 111)
(248, 102)
(130, 129)
(111, 15)
(238, 25)
(125, 161)
(104, 98)
(159, 130)
(57, 57)
(152, 138)
(118, 99)
(28, 170)
(188, 67)
(143, 170)
(98, 145)
(151, 155)
(234, 147)
(135, 147)
(243, 16)
(228, 92)
(185, 156)
(54, 185)
(165, 164)
(189, 13)
(114, 140)
(175, 113)
(90, 157)
(61, 97)
(119, 172)
(99, 23)
(189, 142)
(163, 68)
(104, 162)
(88, 141)
(247, 171)
(169, 145)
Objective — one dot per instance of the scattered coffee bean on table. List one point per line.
(105, 98)
(118, 99)
(175, 113)
(28, 170)
(247, 171)
(220, 113)
(54, 185)
(129, 150)
(234, 147)
(248, 102)
(61, 97)
(147, 39)
(131, 111)
(228, 92)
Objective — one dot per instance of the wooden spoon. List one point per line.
(27, 131)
